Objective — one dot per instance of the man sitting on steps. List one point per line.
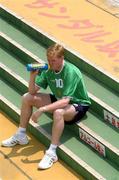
(68, 102)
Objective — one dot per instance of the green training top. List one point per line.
(67, 82)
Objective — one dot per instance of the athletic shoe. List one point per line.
(47, 160)
(14, 140)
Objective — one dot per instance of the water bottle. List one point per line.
(37, 66)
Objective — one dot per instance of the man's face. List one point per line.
(55, 62)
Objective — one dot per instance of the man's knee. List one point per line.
(58, 113)
(27, 98)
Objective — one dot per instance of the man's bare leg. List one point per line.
(57, 129)
(28, 101)
(26, 110)
(59, 116)
(37, 100)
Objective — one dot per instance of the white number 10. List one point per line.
(59, 83)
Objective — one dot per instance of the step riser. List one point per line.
(103, 148)
(22, 88)
(25, 58)
(75, 57)
(105, 111)
(83, 170)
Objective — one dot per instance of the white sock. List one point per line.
(52, 148)
(21, 131)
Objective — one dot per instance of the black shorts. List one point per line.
(80, 108)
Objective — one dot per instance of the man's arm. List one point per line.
(62, 103)
(32, 86)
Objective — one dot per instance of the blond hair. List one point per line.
(55, 50)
